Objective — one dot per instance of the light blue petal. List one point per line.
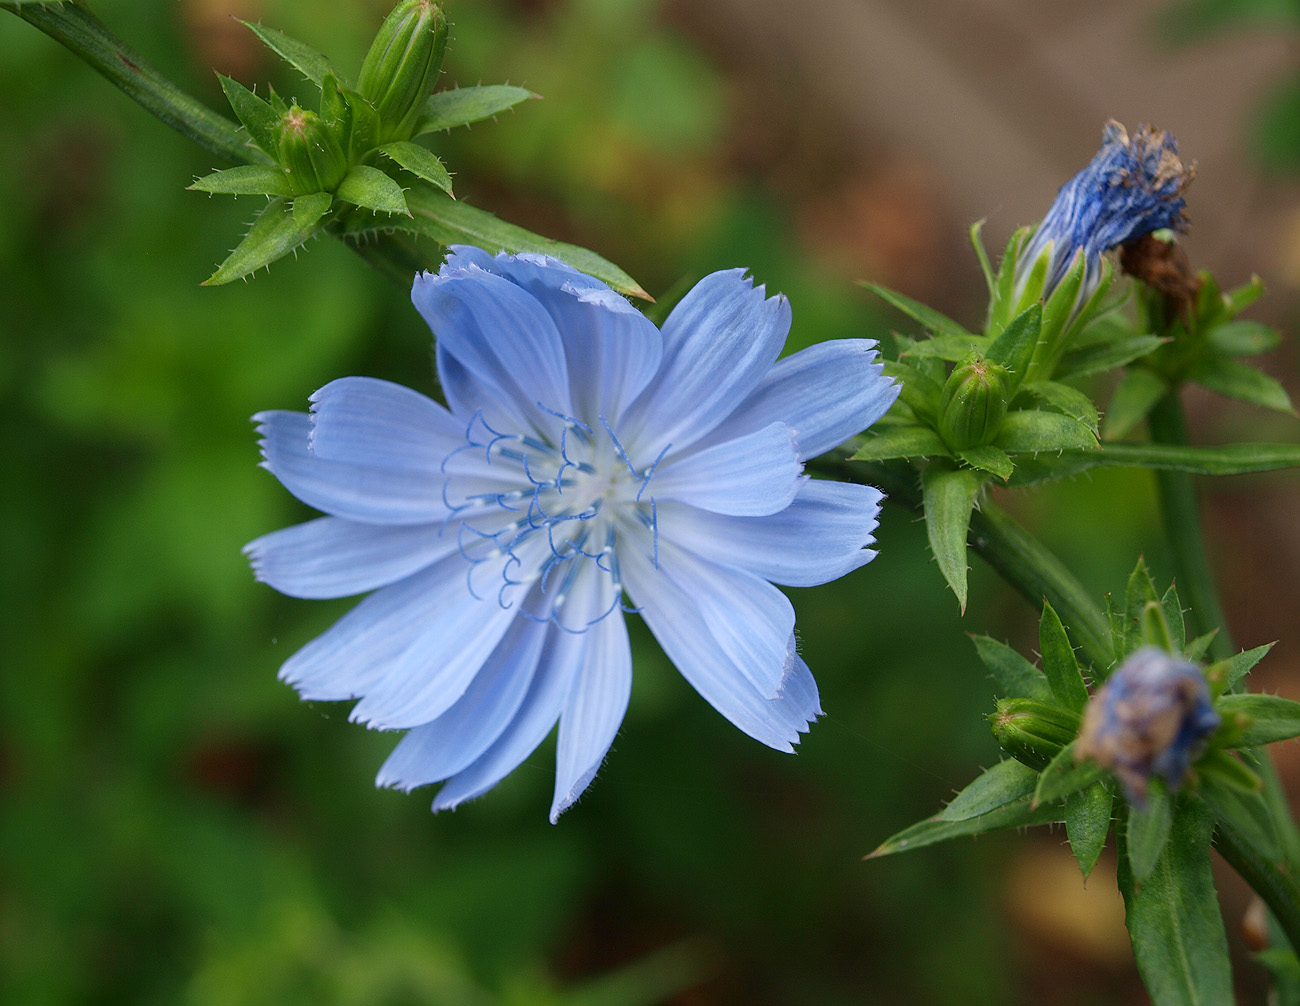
(362, 646)
(434, 670)
(364, 421)
(362, 492)
(674, 619)
(438, 750)
(510, 354)
(599, 696)
(562, 656)
(332, 557)
(755, 475)
(612, 349)
(719, 342)
(827, 394)
(749, 619)
(819, 537)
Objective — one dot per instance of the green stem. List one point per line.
(1268, 879)
(87, 37)
(1181, 518)
(1018, 557)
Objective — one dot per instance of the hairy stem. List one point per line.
(88, 38)
(1269, 880)
(1018, 557)
(1180, 515)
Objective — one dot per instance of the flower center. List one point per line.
(533, 513)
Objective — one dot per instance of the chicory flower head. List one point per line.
(584, 455)
(1133, 186)
(1151, 717)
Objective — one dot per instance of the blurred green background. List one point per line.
(175, 826)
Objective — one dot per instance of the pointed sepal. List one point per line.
(419, 161)
(274, 234)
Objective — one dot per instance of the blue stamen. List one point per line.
(619, 447)
(645, 481)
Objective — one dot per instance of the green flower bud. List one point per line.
(973, 404)
(402, 65)
(1033, 732)
(310, 153)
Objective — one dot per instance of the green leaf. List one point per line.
(988, 459)
(450, 221)
(420, 162)
(1001, 306)
(1199, 646)
(1244, 383)
(1059, 664)
(1174, 918)
(1149, 826)
(258, 117)
(949, 495)
(371, 189)
(1004, 783)
(1064, 776)
(1060, 305)
(1271, 718)
(245, 180)
(302, 57)
(1235, 793)
(1236, 301)
(1135, 396)
(1118, 623)
(918, 392)
(1014, 348)
(901, 442)
(309, 208)
(934, 321)
(1066, 400)
(953, 348)
(1099, 358)
(1016, 677)
(463, 105)
(1087, 822)
(1173, 609)
(1014, 815)
(1140, 590)
(1028, 431)
(1229, 672)
(1243, 338)
(273, 235)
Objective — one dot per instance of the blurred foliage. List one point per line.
(178, 827)
(1275, 129)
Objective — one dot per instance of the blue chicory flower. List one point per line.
(583, 453)
(1133, 186)
(1151, 717)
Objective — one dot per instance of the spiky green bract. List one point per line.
(351, 168)
(1201, 341)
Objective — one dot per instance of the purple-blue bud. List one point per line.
(1133, 186)
(1152, 717)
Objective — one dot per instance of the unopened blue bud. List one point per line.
(1133, 186)
(1152, 717)
(402, 65)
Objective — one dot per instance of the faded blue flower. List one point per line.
(1133, 186)
(583, 453)
(1152, 717)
